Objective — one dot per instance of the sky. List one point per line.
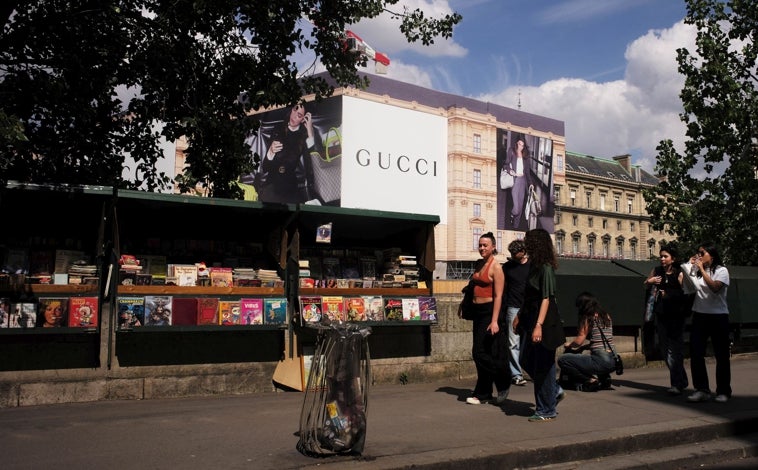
(606, 68)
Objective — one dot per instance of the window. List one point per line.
(574, 220)
(620, 248)
(477, 178)
(633, 249)
(477, 210)
(559, 164)
(591, 247)
(477, 235)
(559, 244)
(651, 250)
(575, 245)
(649, 228)
(500, 242)
(588, 194)
(606, 248)
(605, 224)
(629, 204)
(572, 195)
(477, 143)
(632, 226)
(602, 201)
(618, 225)
(557, 194)
(590, 221)
(557, 217)
(617, 203)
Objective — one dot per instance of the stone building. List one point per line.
(600, 212)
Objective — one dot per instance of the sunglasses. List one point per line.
(702, 253)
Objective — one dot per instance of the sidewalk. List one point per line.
(419, 425)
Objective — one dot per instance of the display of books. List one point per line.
(131, 312)
(83, 312)
(5, 312)
(229, 312)
(393, 309)
(52, 312)
(274, 311)
(207, 310)
(411, 309)
(23, 315)
(374, 307)
(355, 309)
(428, 308)
(333, 307)
(184, 311)
(310, 308)
(251, 311)
(158, 310)
(222, 277)
(331, 268)
(185, 274)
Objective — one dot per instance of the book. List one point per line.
(221, 277)
(5, 312)
(23, 315)
(274, 311)
(229, 312)
(393, 309)
(184, 311)
(428, 308)
(251, 311)
(333, 307)
(374, 307)
(411, 309)
(185, 274)
(83, 312)
(207, 310)
(158, 310)
(310, 308)
(331, 268)
(52, 312)
(355, 309)
(131, 312)
(127, 277)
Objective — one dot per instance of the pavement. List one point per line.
(425, 425)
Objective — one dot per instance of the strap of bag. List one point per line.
(605, 340)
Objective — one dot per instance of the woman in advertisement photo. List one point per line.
(517, 165)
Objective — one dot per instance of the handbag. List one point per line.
(467, 304)
(650, 303)
(619, 363)
(506, 179)
(553, 334)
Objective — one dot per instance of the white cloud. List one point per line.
(624, 116)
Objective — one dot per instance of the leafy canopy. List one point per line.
(183, 64)
(710, 193)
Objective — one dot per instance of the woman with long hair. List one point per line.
(539, 313)
(489, 343)
(589, 372)
(709, 278)
(669, 315)
(517, 165)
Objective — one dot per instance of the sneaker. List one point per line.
(536, 418)
(520, 381)
(501, 397)
(473, 401)
(561, 396)
(699, 396)
(721, 398)
(674, 391)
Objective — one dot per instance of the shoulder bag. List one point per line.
(506, 179)
(553, 334)
(616, 358)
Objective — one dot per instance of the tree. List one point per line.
(711, 191)
(64, 64)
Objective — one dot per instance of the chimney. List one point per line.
(625, 161)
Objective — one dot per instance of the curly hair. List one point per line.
(539, 247)
(587, 306)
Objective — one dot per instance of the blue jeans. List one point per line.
(671, 341)
(539, 363)
(581, 367)
(514, 343)
(717, 327)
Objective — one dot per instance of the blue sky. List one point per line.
(604, 67)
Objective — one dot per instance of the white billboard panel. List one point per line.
(393, 159)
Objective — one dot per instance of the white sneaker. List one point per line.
(674, 391)
(473, 401)
(699, 396)
(721, 398)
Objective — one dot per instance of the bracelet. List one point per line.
(539, 324)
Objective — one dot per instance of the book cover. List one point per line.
(221, 277)
(374, 307)
(310, 308)
(52, 312)
(83, 312)
(185, 274)
(393, 309)
(22, 315)
(184, 311)
(274, 311)
(333, 307)
(127, 278)
(158, 310)
(428, 308)
(251, 311)
(131, 312)
(331, 268)
(355, 309)
(207, 311)
(5, 312)
(229, 312)
(411, 309)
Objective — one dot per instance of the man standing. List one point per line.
(516, 271)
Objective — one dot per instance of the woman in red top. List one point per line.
(489, 349)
